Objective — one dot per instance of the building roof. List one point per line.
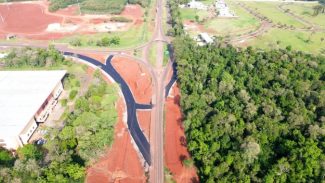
(206, 37)
(21, 95)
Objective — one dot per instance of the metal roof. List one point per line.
(21, 95)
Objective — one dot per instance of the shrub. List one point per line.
(73, 94)
(120, 19)
(64, 102)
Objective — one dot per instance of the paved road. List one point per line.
(131, 105)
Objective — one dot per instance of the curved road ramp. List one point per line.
(131, 105)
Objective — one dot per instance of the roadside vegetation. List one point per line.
(252, 115)
(87, 132)
(153, 54)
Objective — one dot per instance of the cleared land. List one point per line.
(207, 22)
(271, 11)
(244, 23)
(132, 27)
(299, 40)
(305, 11)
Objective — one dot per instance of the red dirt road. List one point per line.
(137, 78)
(175, 142)
(121, 163)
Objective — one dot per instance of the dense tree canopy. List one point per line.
(96, 6)
(252, 115)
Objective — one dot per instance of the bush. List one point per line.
(76, 42)
(73, 94)
(64, 102)
(188, 162)
(120, 19)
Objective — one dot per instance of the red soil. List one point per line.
(133, 11)
(144, 118)
(175, 141)
(121, 163)
(137, 78)
(98, 56)
(30, 20)
(98, 21)
(25, 18)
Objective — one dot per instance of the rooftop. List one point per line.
(21, 95)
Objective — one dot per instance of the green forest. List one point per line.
(88, 129)
(252, 115)
(96, 6)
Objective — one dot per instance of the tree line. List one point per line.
(96, 6)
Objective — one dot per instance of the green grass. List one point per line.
(270, 10)
(306, 11)
(208, 2)
(244, 23)
(189, 14)
(153, 54)
(297, 39)
(134, 36)
(166, 57)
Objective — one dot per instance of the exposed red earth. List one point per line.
(133, 11)
(144, 118)
(97, 56)
(175, 141)
(121, 163)
(25, 18)
(137, 78)
(31, 20)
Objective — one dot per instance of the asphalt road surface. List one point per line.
(131, 105)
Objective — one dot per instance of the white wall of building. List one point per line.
(28, 131)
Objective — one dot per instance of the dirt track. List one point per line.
(175, 141)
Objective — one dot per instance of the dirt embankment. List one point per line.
(175, 141)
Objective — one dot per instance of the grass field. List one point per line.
(299, 40)
(132, 37)
(244, 23)
(306, 11)
(270, 10)
(189, 14)
(153, 54)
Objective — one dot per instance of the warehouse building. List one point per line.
(26, 99)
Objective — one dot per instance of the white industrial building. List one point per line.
(26, 99)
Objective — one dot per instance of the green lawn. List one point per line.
(244, 23)
(189, 14)
(297, 39)
(153, 54)
(270, 10)
(305, 11)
